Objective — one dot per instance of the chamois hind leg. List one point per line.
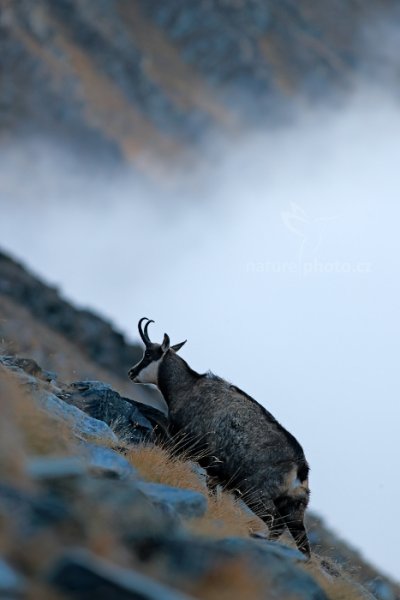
(277, 527)
(291, 511)
(265, 508)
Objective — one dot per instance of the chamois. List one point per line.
(244, 446)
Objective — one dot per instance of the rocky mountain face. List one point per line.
(94, 499)
(146, 81)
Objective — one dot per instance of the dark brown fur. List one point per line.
(240, 443)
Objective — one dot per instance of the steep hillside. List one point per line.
(145, 81)
(35, 322)
(93, 506)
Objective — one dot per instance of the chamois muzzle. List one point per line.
(134, 372)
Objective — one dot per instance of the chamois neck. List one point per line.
(174, 376)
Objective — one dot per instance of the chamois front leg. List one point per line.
(291, 511)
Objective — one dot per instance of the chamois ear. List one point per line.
(177, 347)
(165, 343)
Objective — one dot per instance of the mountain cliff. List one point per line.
(146, 81)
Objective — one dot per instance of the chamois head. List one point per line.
(146, 371)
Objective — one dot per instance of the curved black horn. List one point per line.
(145, 330)
(143, 334)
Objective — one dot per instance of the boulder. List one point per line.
(83, 425)
(84, 576)
(12, 585)
(45, 469)
(186, 503)
(134, 421)
(35, 510)
(134, 515)
(107, 461)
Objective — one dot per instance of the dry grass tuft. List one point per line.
(336, 587)
(158, 465)
(232, 581)
(26, 428)
(12, 449)
(225, 515)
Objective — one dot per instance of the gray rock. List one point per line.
(11, 583)
(96, 458)
(183, 561)
(34, 510)
(186, 503)
(27, 365)
(108, 461)
(381, 589)
(84, 576)
(262, 549)
(134, 516)
(82, 425)
(134, 421)
(50, 468)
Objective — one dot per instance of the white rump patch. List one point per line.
(296, 487)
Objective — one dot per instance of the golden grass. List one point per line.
(231, 581)
(27, 428)
(225, 515)
(338, 587)
(12, 449)
(159, 465)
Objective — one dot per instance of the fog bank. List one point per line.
(281, 268)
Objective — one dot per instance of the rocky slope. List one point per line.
(145, 81)
(77, 517)
(92, 496)
(37, 321)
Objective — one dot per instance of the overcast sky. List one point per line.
(280, 266)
